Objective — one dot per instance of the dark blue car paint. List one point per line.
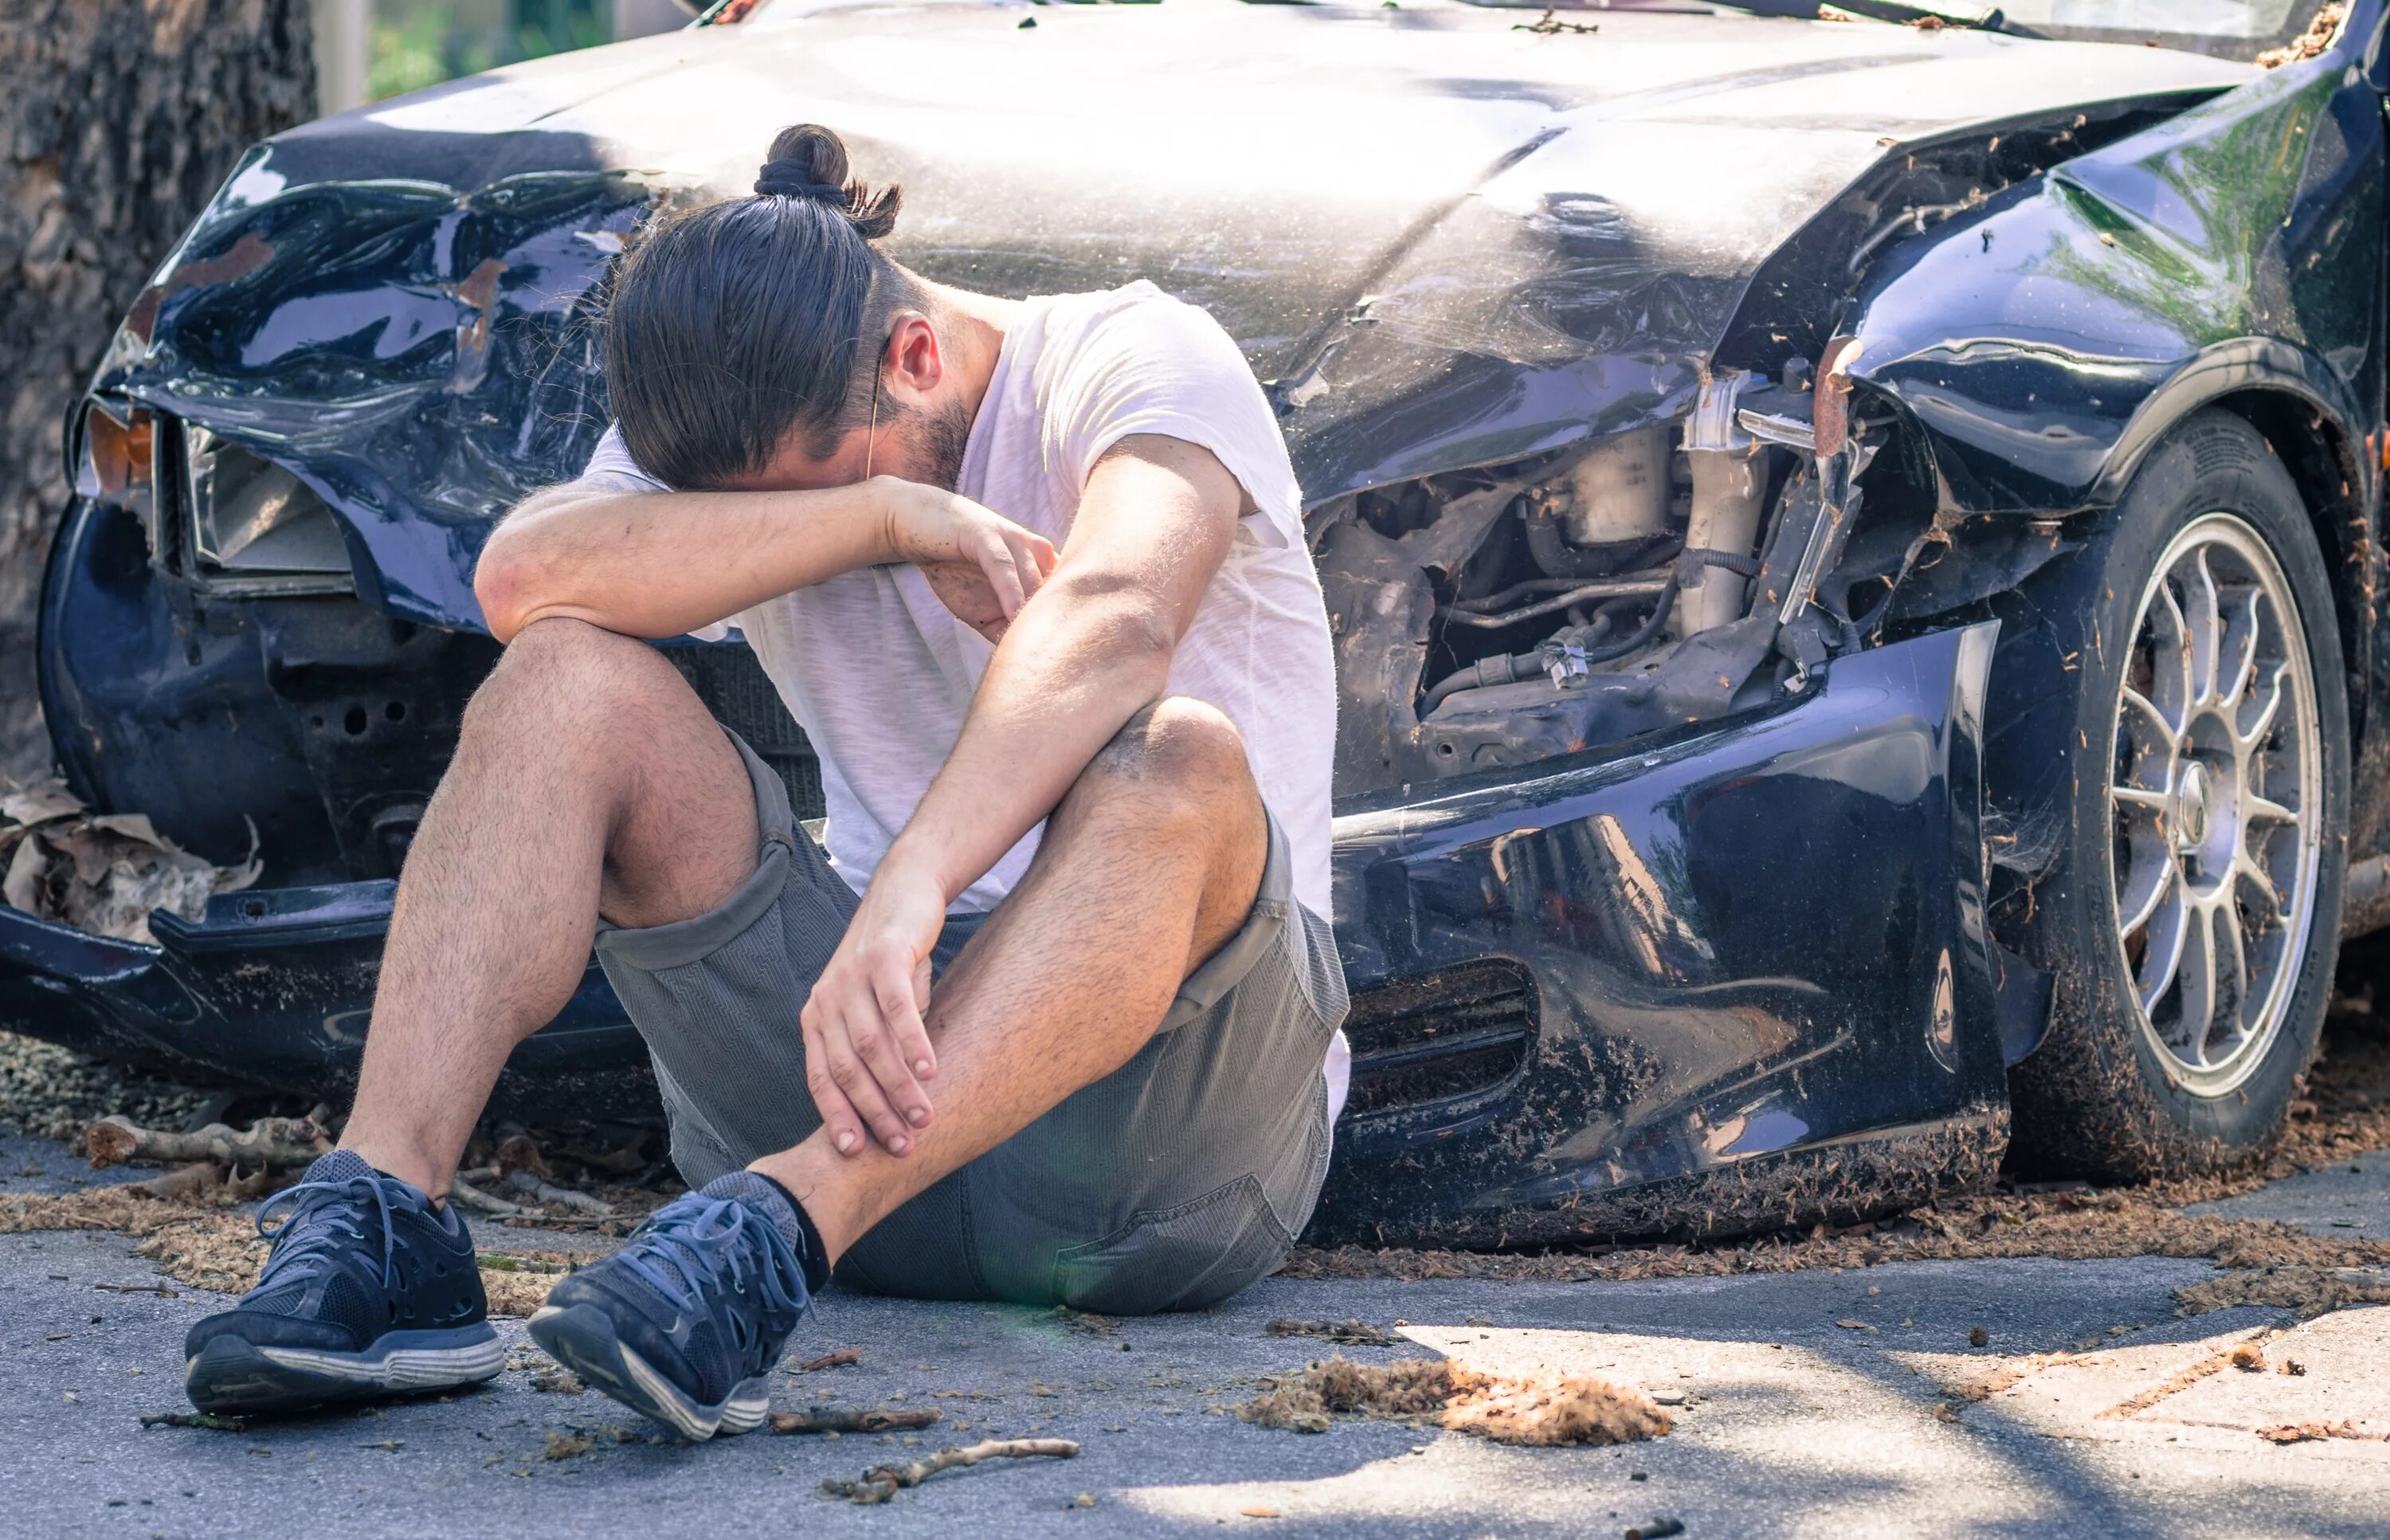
(1753, 953)
(1686, 1017)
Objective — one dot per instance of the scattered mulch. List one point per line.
(53, 1093)
(565, 1446)
(219, 1249)
(2344, 1117)
(1350, 1333)
(2311, 1291)
(1507, 1408)
(2300, 1432)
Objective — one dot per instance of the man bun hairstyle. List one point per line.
(808, 161)
(732, 326)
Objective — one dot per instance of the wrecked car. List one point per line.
(1852, 546)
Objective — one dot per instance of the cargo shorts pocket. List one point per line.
(1188, 1257)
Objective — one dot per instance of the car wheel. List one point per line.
(2168, 759)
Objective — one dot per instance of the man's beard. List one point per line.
(935, 443)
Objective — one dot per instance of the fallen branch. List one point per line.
(883, 1482)
(524, 1181)
(852, 1419)
(269, 1142)
(158, 1288)
(192, 1184)
(836, 1359)
(479, 1201)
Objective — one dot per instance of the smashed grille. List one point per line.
(1458, 1034)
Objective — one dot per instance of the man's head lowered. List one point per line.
(750, 344)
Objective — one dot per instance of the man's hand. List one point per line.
(982, 565)
(867, 1049)
(1157, 519)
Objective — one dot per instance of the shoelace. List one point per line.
(680, 1252)
(314, 1227)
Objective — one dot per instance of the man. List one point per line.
(1050, 1018)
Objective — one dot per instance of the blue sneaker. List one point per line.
(683, 1322)
(370, 1291)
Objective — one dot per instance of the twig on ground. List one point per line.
(1351, 1333)
(835, 1360)
(852, 1419)
(193, 1419)
(158, 1288)
(883, 1482)
(191, 1184)
(475, 1199)
(269, 1141)
(524, 1181)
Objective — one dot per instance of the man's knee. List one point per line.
(558, 676)
(1179, 746)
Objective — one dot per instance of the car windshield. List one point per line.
(2233, 28)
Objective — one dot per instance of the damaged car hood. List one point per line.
(1444, 236)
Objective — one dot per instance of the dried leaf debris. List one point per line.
(103, 873)
(2311, 42)
(1509, 1409)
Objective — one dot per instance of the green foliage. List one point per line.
(420, 42)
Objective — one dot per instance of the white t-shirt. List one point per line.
(880, 676)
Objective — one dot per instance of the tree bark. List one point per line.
(118, 120)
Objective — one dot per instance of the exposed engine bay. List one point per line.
(1500, 617)
(1699, 562)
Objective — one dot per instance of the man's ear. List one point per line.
(915, 364)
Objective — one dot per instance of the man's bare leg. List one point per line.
(589, 778)
(1151, 864)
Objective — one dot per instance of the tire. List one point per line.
(2129, 823)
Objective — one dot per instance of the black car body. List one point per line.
(1700, 937)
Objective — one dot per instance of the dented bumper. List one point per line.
(1582, 998)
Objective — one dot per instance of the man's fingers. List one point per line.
(863, 1091)
(910, 1040)
(1033, 557)
(837, 1113)
(875, 1043)
(1001, 568)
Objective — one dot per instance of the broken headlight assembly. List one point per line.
(215, 515)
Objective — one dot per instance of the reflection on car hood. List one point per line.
(1446, 237)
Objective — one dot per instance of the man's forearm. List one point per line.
(1077, 664)
(657, 564)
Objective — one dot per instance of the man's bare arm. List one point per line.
(1094, 648)
(662, 563)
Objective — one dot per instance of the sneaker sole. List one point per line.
(231, 1375)
(581, 1338)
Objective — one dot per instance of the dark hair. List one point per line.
(730, 325)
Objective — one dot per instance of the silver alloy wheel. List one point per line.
(2215, 796)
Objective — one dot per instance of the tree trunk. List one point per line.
(118, 120)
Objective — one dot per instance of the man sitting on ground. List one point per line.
(1050, 1019)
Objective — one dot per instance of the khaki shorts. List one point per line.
(1169, 1185)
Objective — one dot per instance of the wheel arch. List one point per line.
(2304, 413)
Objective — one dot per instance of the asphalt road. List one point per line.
(1787, 1422)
